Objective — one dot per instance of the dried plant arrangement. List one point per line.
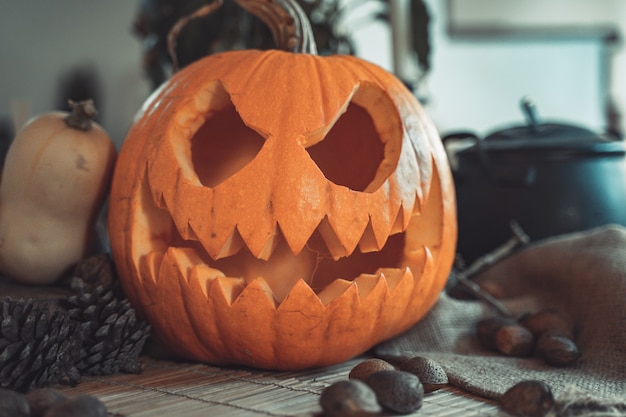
(334, 24)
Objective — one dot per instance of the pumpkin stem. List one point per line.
(83, 113)
(286, 20)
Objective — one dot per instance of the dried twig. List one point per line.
(172, 36)
(462, 277)
(518, 239)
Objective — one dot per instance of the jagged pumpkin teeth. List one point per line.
(202, 277)
(419, 263)
(231, 246)
(183, 259)
(335, 246)
(345, 230)
(229, 287)
(206, 272)
(281, 210)
(149, 265)
(170, 266)
(366, 284)
(370, 242)
(257, 289)
(334, 290)
(417, 258)
(399, 224)
(393, 275)
(347, 300)
(270, 244)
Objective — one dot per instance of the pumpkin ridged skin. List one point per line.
(54, 182)
(291, 100)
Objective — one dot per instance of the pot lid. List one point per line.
(548, 136)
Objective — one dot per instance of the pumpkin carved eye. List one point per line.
(356, 152)
(351, 140)
(223, 145)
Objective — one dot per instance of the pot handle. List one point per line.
(530, 111)
(477, 145)
(459, 136)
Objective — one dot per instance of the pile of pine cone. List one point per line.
(92, 330)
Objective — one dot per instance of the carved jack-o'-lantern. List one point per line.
(281, 210)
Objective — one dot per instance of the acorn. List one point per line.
(547, 320)
(486, 330)
(556, 350)
(514, 340)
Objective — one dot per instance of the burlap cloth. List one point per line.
(582, 275)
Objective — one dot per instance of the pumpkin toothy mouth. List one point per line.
(325, 268)
(314, 264)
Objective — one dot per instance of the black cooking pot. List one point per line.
(551, 178)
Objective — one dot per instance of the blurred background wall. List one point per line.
(474, 83)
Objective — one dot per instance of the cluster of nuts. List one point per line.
(545, 334)
(375, 384)
(49, 402)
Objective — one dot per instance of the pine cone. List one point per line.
(112, 336)
(91, 272)
(83, 326)
(37, 347)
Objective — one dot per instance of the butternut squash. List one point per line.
(54, 182)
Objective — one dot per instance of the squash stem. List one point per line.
(82, 115)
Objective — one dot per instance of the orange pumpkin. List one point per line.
(281, 210)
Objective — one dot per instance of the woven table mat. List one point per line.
(168, 388)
